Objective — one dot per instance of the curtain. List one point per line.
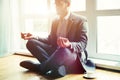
(9, 27)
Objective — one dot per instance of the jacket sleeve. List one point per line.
(42, 39)
(80, 45)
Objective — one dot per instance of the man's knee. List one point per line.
(67, 55)
(65, 51)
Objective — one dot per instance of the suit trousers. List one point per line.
(53, 57)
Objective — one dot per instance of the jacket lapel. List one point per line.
(70, 23)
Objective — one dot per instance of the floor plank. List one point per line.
(10, 70)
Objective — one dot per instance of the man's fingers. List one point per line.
(22, 35)
(29, 34)
(61, 41)
(27, 38)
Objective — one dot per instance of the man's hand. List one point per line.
(63, 42)
(26, 36)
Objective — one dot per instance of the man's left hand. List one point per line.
(63, 42)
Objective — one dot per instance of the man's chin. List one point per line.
(58, 13)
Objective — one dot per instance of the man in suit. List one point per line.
(64, 50)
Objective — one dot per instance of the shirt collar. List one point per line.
(67, 16)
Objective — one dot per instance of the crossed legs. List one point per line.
(51, 58)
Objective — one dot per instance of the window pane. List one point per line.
(34, 7)
(108, 4)
(29, 25)
(41, 25)
(37, 26)
(108, 35)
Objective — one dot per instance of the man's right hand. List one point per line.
(26, 36)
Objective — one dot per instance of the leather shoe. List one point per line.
(30, 66)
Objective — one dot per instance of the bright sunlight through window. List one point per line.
(108, 4)
(108, 40)
(34, 7)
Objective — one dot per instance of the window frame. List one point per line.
(92, 14)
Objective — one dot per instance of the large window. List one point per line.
(104, 35)
(103, 18)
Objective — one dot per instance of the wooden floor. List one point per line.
(10, 70)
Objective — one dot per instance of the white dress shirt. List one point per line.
(62, 26)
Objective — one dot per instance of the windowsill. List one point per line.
(113, 65)
(23, 52)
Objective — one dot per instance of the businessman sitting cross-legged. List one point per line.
(62, 52)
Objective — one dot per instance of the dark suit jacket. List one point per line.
(77, 35)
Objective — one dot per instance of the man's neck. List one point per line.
(62, 16)
(65, 15)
